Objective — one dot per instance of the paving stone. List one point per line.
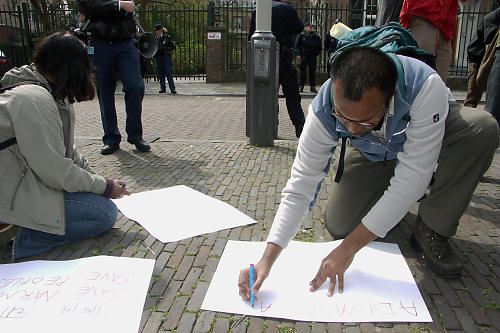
(209, 269)
(153, 323)
(175, 313)
(204, 322)
(334, 327)
(191, 280)
(168, 296)
(186, 323)
(446, 314)
(201, 256)
(197, 296)
(161, 281)
(184, 268)
(468, 324)
(177, 256)
(221, 325)
(474, 309)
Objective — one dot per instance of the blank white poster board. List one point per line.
(378, 286)
(179, 212)
(97, 294)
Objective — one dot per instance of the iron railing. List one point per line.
(22, 27)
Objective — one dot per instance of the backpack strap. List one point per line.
(401, 74)
(12, 141)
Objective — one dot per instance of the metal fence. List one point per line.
(235, 17)
(21, 28)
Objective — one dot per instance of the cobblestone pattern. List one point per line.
(251, 179)
(183, 117)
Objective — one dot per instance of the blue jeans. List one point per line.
(164, 64)
(87, 215)
(121, 57)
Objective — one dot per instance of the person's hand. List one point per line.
(332, 266)
(299, 58)
(128, 6)
(261, 271)
(119, 190)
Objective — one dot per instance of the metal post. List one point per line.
(262, 80)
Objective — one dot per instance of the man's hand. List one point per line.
(262, 269)
(261, 273)
(338, 261)
(128, 6)
(119, 190)
(332, 266)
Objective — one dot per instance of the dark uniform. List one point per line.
(112, 31)
(163, 59)
(308, 46)
(330, 47)
(285, 22)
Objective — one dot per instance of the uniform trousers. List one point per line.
(308, 61)
(108, 59)
(290, 86)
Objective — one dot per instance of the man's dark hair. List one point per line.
(362, 67)
(65, 59)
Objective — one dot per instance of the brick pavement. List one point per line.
(202, 145)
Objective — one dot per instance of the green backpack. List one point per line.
(391, 38)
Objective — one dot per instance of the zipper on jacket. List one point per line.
(23, 173)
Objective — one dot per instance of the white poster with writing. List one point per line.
(96, 294)
(378, 286)
(178, 212)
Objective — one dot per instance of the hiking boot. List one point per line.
(437, 252)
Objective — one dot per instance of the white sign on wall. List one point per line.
(214, 35)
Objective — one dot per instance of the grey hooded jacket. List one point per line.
(35, 171)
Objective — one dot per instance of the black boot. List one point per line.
(438, 254)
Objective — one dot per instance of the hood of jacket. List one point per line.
(25, 74)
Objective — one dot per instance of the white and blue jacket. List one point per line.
(412, 133)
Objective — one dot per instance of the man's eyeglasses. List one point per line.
(343, 119)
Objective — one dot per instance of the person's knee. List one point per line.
(489, 130)
(336, 227)
(112, 212)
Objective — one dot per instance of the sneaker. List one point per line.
(437, 252)
(162, 91)
(301, 88)
(313, 90)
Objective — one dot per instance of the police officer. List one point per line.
(330, 46)
(112, 30)
(285, 22)
(163, 58)
(308, 46)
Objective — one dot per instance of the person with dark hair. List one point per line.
(50, 190)
(401, 121)
(285, 22)
(163, 58)
(308, 46)
(111, 30)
